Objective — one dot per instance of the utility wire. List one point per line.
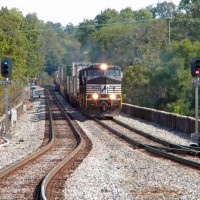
(99, 25)
(66, 29)
(79, 26)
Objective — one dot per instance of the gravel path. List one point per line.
(111, 170)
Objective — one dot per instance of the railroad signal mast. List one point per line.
(195, 71)
(6, 72)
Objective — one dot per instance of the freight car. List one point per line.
(94, 87)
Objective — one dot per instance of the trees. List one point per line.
(59, 46)
(125, 44)
(156, 73)
(164, 10)
(170, 87)
(135, 84)
(187, 5)
(108, 16)
(186, 24)
(121, 37)
(20, 43)
(51, 48)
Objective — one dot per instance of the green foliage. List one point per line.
(109, 37)
(164, 10)
(107, 17)
(170, 85)
(142, 14)
(135, 84)
(58, 46)
(185, 25)
(85, 29)
(127, 44)
(126, 15)
(156, 73)
(187, 5)
(21, 47)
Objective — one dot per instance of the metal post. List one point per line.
(196, 106)
(6, 108)
(195, 136)
(169, 31)
(169, 21)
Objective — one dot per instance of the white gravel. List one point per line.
(112, 170)
(156, 130)
(26, 137)
(115, 171)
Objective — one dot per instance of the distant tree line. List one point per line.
(154, 46)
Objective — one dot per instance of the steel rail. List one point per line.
(23, 162)
(172, 157)
(151, 149)
(174, 150)
(56, 169)
(185, 149)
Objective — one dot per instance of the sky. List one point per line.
(74, 11)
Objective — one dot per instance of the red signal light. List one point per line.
(197, 72)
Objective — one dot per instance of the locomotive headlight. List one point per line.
(112, 96)
(95, 96)
(103, 66)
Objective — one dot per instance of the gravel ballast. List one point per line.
(115, 171)
(112, 170)
(26, 136)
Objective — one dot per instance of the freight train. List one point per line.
(94, 87)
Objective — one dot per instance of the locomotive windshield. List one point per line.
(110, 72)
(94, 73)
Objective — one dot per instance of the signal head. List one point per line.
(6, 68)
(195, 67)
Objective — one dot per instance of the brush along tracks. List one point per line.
(23, 179)
(138, 139)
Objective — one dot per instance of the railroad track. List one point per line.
(12, 179)
(24, 179)
(185, 155)
(53, 183)
(138, 139)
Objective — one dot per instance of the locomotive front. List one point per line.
(100, 90)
